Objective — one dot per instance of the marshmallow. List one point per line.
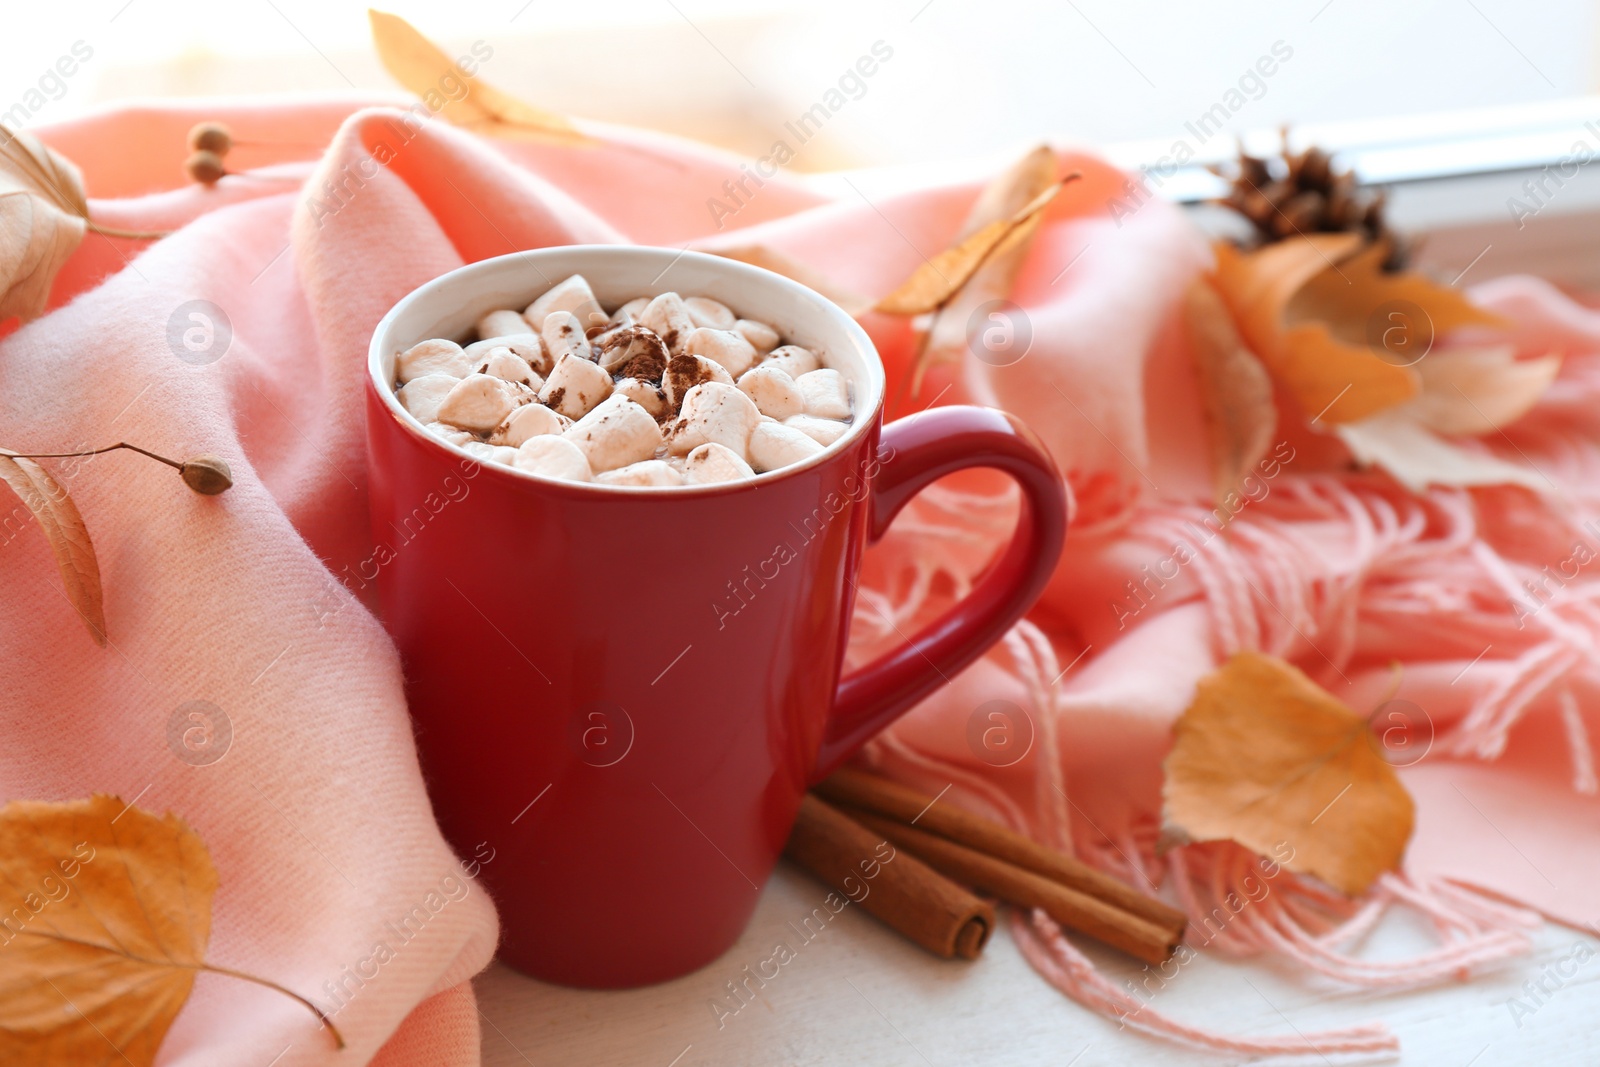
(478, 403)
(632, 351)
(422, 396)
(525, 344)
(575, 386)
(500, 323)
(563, 335)
(712, 463)
(482, 452)
(759, 334)
(652, 472)
(683, 373)
(553, 457)
(713, 411)
(703, 311)
(616, 433)
(629, 312)
(431, 357)
(773, 445)
(530, 420)
(775, 393)
(670, 320)
(572, 295)
(823, 431)
(827, 394)
(647, 395)
(722, 346)
(793, 360)
(506, 365)
(449, 434)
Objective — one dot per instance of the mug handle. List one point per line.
(926, 447)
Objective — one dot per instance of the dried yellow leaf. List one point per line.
(66, 534)
(105, 914)
(426, 70)
(936, 281)
(1266, 757)
(1235, 389)
(42, 221)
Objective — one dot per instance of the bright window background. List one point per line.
(966, 79)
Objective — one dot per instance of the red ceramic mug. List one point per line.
(624, 692)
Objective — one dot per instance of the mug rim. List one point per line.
(867, 416)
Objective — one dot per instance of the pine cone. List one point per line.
(1298, 193)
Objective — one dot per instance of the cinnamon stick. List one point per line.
(870, 792)
(901, 890)
(1106, 922)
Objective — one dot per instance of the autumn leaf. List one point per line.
(107, 914)
(937, 280)
(426, 70)
(42, 221)
(1235, 389)
(1416, 457)
(1266, 757)
(768, 258)
(66, 534)
(1472, 391)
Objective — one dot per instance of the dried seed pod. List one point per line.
(206, 474)
(213, 137)
(205, 167)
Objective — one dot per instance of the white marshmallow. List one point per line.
(647, 395)
(563, 335)
(713, 411)
(437, 356)
(793, 360)
(683, 373)
(575, 386)
(478, 403)
(670, 320)
(449, 434)
(712, 463)
(823, 431)
(629, 312)
(571, 295)
(506, 365)
(490, 453)
(704, 311)
(500, 323)
(620, 347)
(773, 445)
(722, 346)
(775, 393)
(553, 457)
(759, 334)
(616, 433)
(525, 344)
(530, 420)
(827, 394)
(422, 396)
(649, 473)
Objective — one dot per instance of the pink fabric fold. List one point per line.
(254, 601)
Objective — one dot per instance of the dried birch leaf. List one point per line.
(1472, 391)
(424, 69)
(1266, 757)
(1002, 198)
(109, 915)
(42, 221)
(933, 284)
(66, 533)
(1332, 379)
(1416, 457)
(758, 255)
(1235, 389)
